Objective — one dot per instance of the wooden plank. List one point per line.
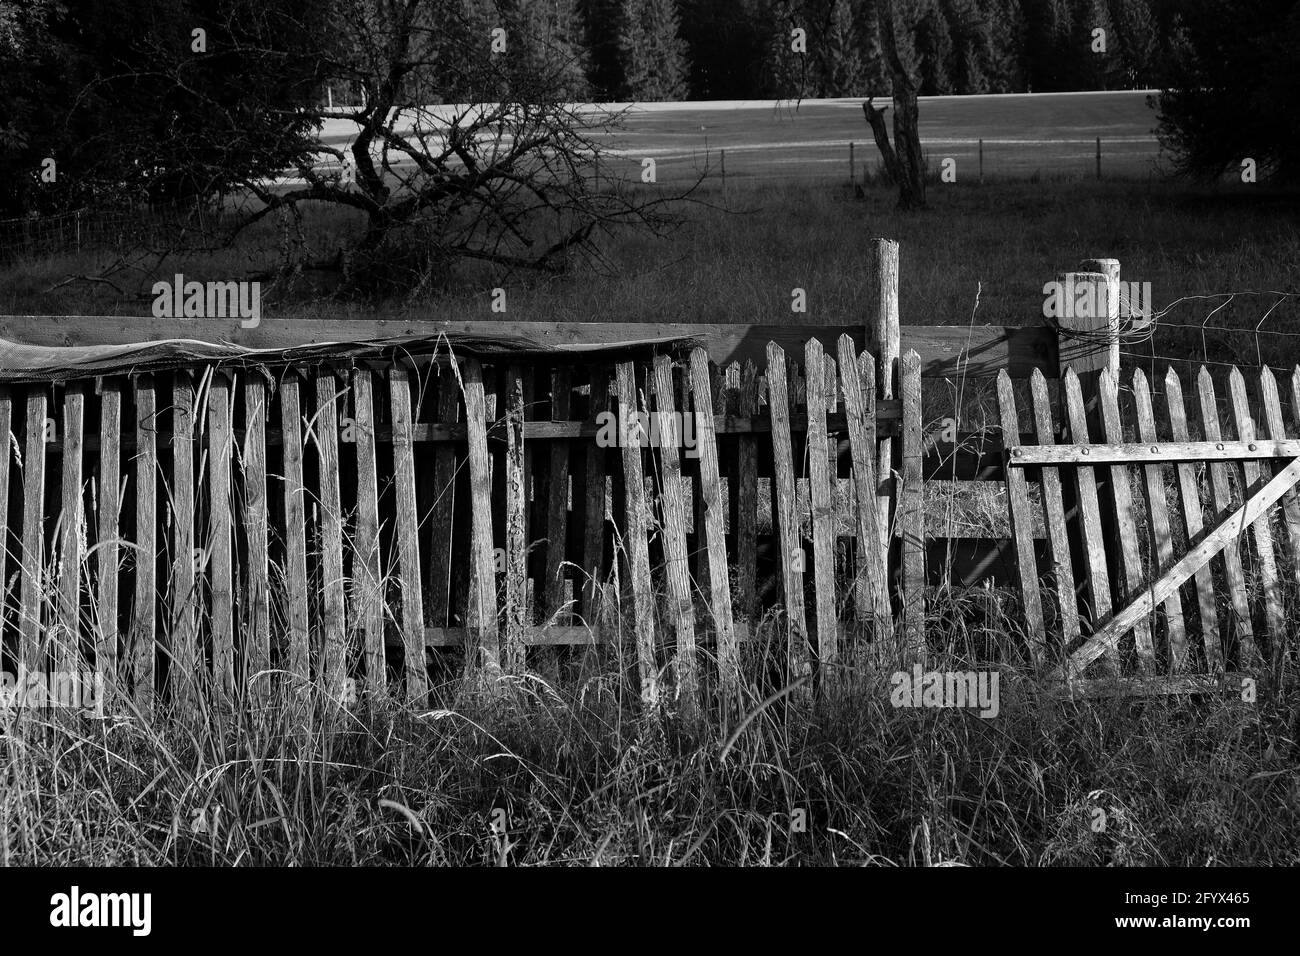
(333, 624)
(1231, 527)
(542, 636)
(406, 525)
(184, 596)
(1122, 500)
(30, 650)
(1162, 545)
(67, 646)
(715, 510)
(1266, 560)
(438, 433)
(1147, 687)
(823, 519)
(945, 351)
(871, 589)
(110, 503)
(483, 656)
(747, 499)
(513, 651)
(1118, 453)
(634, 540)
(783, 493)
(257, 639)
(555, 593)
(295, 530)
(220, 527)
(367, 580)
(1094, 543)
(1022, 529)
(1054, 515)
(676, 564)
(1275, 428)
(911, 510)
(146, 586)
(1221, 496)
(593, 538)
(1190, 501)
(444, 503)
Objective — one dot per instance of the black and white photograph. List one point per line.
(852, 436)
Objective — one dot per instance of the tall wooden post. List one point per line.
(883, 340)
(1089, 344)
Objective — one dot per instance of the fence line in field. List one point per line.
(388, 521)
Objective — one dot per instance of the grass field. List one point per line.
(776, 142)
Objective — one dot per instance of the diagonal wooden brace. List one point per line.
(1169, 582)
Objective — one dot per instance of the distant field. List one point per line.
(1024, 134)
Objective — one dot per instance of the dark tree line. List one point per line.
(115, 91)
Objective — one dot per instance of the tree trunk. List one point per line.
(903, 160)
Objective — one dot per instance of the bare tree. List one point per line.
(512, 178)
(903, 160)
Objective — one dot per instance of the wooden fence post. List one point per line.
(912, 511)
(1089, 345)
(883, 339)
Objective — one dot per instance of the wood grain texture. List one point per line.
(257, 597)
(367, 586)
(634, 539)
(334, 625)
(823, 519)
(182, 590)
(1122, 498)
(1261, 531)
(406, 526)
(67, 645)
(513, 651)
(144, 607)
(1221, 499)
(677, 577)
(1022, 529)
(220, 532)
(871, 588)
(1089, 516)
(911, 511)
(1161, 538)
(109, 533)
(1054, 515)
(483, 656)
(1189, 497)
(783, 493)
(295, 531)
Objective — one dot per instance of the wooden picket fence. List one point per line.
(1142, 608)
(359, 521)
(341, 512)
(349, 522)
